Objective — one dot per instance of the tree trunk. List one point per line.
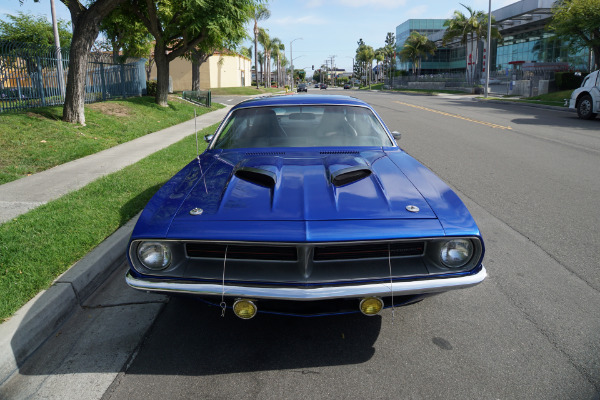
(162, 75)
(85, 32)
(195, 72)
(86, 24)
(198, 58)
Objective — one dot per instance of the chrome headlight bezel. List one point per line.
(456, 253)
(154, 255)
(437, 246)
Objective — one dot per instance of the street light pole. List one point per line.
(488, 52)
(59, 63)
(256, 54)
(292, 60)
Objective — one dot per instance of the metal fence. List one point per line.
(524, 83)
(202, 97)
(33, 76)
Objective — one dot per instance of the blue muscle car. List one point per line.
(305, 205)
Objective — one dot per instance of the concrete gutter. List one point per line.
(42, 316)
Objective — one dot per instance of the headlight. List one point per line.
(154, 255)
(456, 253)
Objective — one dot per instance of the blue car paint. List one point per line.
(303, 206)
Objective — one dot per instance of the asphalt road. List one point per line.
(530, 331)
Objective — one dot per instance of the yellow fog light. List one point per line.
(371, 305)
(245, 309)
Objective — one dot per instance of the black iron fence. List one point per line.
(202, 97)
(33, 76)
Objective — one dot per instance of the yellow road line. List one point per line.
(454, 116)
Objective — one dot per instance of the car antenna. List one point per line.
(196, 132)
(198, 153)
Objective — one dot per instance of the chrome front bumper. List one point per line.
(307, 294)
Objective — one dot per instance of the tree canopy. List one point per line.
(180, 26)
(126, 35)
(578, 21)
(26, 28)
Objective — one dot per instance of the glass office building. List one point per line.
(525, 40)
(538, 46)
(425, 27)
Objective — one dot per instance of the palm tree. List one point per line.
(458, 27)
(415, 47)
(280, 54)
(469, 30)
(366, 54)
(390, 51)
(276, 47)
(267, 44)
(260, 61)
(259, 12)
(379, 57)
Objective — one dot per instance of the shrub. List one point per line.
(151, 88)
(568, 80)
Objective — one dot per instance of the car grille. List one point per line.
(356, 252)
(238, 252)
(290, 253)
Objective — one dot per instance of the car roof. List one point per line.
(297, 100)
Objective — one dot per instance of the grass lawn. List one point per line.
(379, 86)
(37, 139)
(36, 247)
(549, 99)
(245, 91)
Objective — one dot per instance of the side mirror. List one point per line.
(208, 138)
(397, 135)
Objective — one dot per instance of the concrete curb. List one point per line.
(42, 316)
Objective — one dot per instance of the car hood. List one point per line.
(316, 186)
(304, 196)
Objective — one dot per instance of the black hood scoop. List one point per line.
(257, 176)
(350, 175)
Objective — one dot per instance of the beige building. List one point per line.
(220, 70)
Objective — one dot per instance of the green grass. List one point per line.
(556, 99)
(36, 247)
(244, 91)
(554, 96)
(37, 139)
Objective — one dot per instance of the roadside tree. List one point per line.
(469, 30)
(258, 12)
(26, 28)
(178, 27)
(578, 21)
(126, 36)
(415, 48)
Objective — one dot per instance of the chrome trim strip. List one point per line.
(321, 293)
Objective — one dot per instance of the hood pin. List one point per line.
(196, 211)
(413, 209)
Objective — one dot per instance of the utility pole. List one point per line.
(292, 61)
(332, 69)
(59, 65)
(488, 52)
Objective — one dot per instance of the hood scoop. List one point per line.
(258, 176)
(350, 175)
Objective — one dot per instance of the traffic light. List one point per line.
(313, 67)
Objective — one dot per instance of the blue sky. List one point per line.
(327, 27)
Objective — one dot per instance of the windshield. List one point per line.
(302, 126)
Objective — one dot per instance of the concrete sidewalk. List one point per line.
(18, 197)
(41, 317)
